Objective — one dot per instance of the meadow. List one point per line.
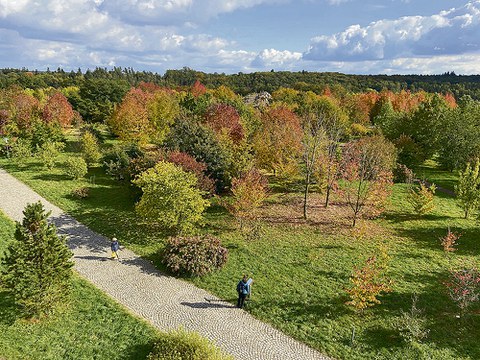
(301, 268)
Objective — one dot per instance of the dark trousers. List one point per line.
(241, 300)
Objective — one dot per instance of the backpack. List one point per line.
(242, 288)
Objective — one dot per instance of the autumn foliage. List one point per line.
(58, 110)
(222, 118)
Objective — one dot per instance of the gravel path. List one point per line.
(165, 301)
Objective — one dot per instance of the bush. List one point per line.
(49, 152)
(464, 287)
(21, 151)
(411, 324)
(183, 345)
(117, 160)
(75, 167)
(81, 193)
(449, 241)
(197, 255)
(402, 174)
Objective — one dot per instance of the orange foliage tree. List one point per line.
(278, 144)
(58, 110)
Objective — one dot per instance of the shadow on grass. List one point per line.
(8, 309)
(137, 352)
(52, 177)
(429, 237)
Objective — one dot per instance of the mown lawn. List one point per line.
(301, 269)
(92, 326)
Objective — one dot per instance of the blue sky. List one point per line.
(350, 36)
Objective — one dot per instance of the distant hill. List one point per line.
(241, 83)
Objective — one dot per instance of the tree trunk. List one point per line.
(327, 197)
(307, 185)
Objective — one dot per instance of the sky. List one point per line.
(231, 36)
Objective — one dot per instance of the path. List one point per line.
(165, 301)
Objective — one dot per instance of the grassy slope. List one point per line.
(92, 326)
(300, 271)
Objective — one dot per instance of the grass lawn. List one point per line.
(301, 269)
(91, 327)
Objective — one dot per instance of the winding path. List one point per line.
(165, 301)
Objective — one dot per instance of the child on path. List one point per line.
(243, 289)
(115, 246)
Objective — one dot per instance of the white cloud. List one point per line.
(271, 58)
(455, 31)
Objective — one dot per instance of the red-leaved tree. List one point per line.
(189, 164)
(225, 118)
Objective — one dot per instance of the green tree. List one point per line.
(21, 151)
(37, 264)
(170, 197)
(90, 148)
(467, 188)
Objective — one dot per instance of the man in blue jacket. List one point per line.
(243, 289)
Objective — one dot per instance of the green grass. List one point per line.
(301, 270)
(92, 326)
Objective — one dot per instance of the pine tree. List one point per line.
(467, 189)
(37, 264)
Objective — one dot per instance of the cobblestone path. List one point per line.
(165, 301)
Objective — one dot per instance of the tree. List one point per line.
(278, 144)
(130, 119)
(188, 163)
(367, 168)
(225, 118)
(468, 188)
(249, 192)
(58, 110)
(90, 149)
(421, 198)
(464, 287)
(369, 281)
(37, 265)
(162, 109)
(170, 197)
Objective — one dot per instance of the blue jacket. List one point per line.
(243, 288)
(114, 246)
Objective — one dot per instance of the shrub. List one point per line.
(402, 174)
(369, 281)
(411, 324)
(75, 167)
(37, 266)
(421, 198)
(21, 151)
(183, 345)
(467, 188)
(49, 152)
(117, 160)
(464, 287)
(197, 255)
(81, 193)
(170, 198)
(448, 241)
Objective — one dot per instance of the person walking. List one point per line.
(243, 289)
(115, 246)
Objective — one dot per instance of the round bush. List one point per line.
(183, 345)
(76, 167)
(196, 255)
